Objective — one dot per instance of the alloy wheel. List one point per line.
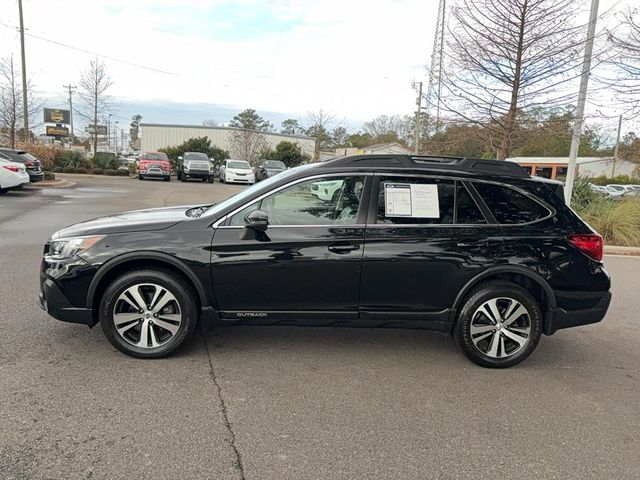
(500, 327)
(147, 315)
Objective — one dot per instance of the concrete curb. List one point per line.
(61, 183)
(614, 250)
(78, 176)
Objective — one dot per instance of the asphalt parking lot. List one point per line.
(296, 403)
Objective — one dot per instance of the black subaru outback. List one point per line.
(476, 248)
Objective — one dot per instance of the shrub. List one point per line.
(45, 153)
(122, 172)
(71, 158)
(617, 221)
(81, 170)
(49, 176)
(618, 179)
(105, 160)
(56, 169)
(110, 171)
(582, 194)
(69, 169)
(133, 169)
(97, 171)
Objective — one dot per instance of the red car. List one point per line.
(154, 165)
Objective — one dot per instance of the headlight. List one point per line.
(68, 247)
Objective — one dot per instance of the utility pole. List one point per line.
(109, 132)
(418, 118)
(582, 98)
(25, 103)
(115, 137)
(72, 90)
(617, 149)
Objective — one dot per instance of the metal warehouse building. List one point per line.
(155, 136)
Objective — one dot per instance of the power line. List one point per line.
(108, 57)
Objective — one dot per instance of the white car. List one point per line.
(327, 191)
(12, 175)
(236, 171)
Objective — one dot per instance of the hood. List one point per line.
(134, 221)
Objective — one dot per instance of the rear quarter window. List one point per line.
(509, 206)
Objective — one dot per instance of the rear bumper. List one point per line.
(35, 176)
(52, 300)
(559, 318)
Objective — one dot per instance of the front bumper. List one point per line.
(559, 318)
(52, 300)
(202, 174)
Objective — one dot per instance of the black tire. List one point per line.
(3, 191)
(181, 290)
(167, 179)
(183, 179)
(140, 177)
(210, 179)
(473, 301)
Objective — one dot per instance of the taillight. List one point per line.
(591, 244)
(12, 168)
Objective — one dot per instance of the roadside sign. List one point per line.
(101, 130)
(55, 115)
(57, 131)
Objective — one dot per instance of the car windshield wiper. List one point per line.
(195, 212)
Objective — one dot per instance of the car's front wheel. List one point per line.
(148, 313)
(499, 325)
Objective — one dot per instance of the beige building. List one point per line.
(155, 136)
(590, 167)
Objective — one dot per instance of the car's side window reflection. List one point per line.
(325, 201)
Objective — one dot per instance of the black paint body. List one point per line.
(365, 274)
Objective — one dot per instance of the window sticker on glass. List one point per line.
(411, 200)
(397, 198)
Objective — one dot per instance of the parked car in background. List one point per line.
(154, 165)
(12, 175)
(269, 168)
(236, 171)
(31, 163)
(195, 165)
(327, 191)
(474, 248)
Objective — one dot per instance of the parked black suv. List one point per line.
(476, 248)
(31, 163)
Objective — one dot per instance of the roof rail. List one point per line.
(465, 164)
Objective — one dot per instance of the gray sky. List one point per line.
(211, 58)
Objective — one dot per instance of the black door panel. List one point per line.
(310, 268)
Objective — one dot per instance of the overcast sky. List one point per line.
(355, 59)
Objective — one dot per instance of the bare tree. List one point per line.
(387, 127)
(626, 39)
(505, 56)
(11, 106)
(248, 145)
(319, 124)
(92, 87)
(209, 123)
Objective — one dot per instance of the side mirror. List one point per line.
(257, 220)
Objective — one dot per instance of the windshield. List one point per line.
(155, 156)
(248, 192)
(195, 156)
(275, 164)
(240, 164)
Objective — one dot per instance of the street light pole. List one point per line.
(582, 98)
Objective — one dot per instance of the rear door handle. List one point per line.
(343, 248)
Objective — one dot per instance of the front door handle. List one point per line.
(343, 248)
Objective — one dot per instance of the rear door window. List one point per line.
(406, 200)
(509, 206)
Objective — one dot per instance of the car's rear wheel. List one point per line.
(148, 313)
(499, 325)
(3, 191)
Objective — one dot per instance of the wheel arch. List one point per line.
(139, 260)
(531, 281)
